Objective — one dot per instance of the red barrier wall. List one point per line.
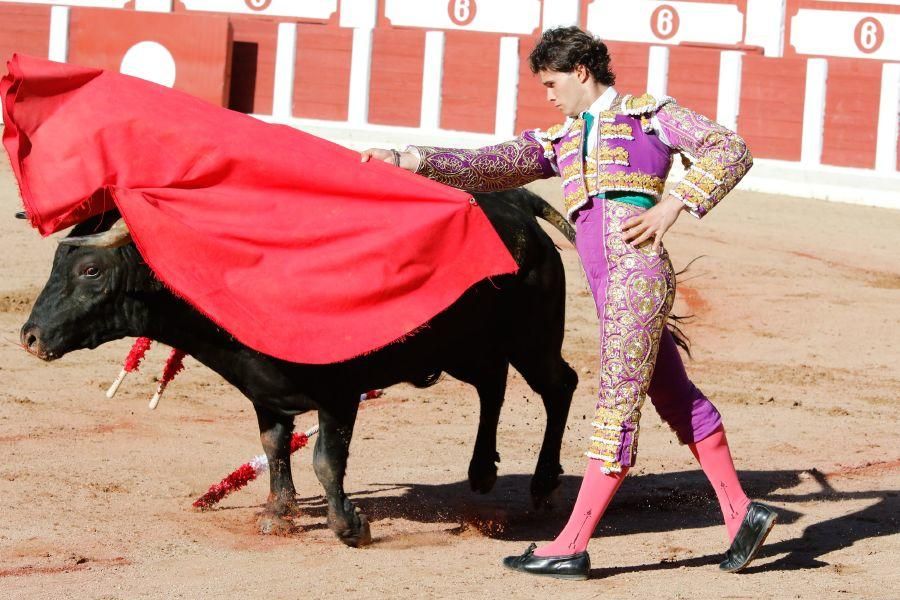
(396, 91)
(694, 78)
(264, 34)
(851, 113)
(771, 111)
(533, 110)
(199, 44)
(23, 29)
(469, 90)
(322, 72)
(629, 63)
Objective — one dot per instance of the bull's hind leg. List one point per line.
(275, 433)
(330, 464)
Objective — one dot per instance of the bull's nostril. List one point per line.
(31, 340)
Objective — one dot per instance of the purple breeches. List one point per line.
(634, 289)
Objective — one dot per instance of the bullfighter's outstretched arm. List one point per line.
(719, 157)
(491, 168)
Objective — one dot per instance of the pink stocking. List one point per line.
(715, 459)
(597, 489)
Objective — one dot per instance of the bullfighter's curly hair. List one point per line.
(564, 48)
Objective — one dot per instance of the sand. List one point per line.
(795, 339)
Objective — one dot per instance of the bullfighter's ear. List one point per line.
(21, 215)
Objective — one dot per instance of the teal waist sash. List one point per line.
(633, 198)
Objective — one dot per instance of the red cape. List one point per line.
(283, 239)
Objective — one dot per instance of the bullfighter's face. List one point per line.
(568, 92)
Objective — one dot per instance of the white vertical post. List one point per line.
(888, 118)
(359, 13)
(507, 88)
(658, 71)
(729, 102)
(285, 59)
(163, 6)
(765, 25)
(560, 13)
(432, 76)
(59, 34)
(360, 76)
(814, 111)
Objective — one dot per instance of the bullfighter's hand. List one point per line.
(408, 160)
(655, 222)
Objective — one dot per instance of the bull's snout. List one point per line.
(30, 337)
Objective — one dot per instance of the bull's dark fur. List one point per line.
(96, 295)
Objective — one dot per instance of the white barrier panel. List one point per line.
(665, 22)
(731, 66)
(845, 33)
(888, 118)
(507, 88)
(285, 59)
(311, 9)
(360, 76)
(59, 34)
(499, 16)
(814, 111)
(432, 77)
(658, 71)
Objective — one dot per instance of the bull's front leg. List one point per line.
(330, 464)
(275, 432)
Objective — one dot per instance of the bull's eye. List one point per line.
(91, 271)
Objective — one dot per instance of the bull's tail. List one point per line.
(541, 208)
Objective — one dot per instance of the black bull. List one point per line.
(99, 291)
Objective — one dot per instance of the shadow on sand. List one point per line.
(645, 504)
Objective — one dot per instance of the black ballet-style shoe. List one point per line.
(571, 566)
(755, 527)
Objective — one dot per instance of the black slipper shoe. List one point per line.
(571, 566)
(755, 527)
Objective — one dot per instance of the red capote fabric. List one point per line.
(284, 239)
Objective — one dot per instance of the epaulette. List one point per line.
(643, 105)
(555, 132)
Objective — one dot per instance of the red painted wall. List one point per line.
(264, 33)
(322, 72)
(396, 93)
(200, 45)
(629, 63)
(851, 113)
(469, 89)
(694, 78)
(533, 110)
(771, 111)
(23, 29)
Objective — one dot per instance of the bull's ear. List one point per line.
(21, 215)
(115, 237)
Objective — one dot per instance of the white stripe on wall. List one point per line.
(507, 88)
(432, 78)
(888, 118)
(814, 111)
(285, 59)
(59, 34)
(360, 76)
(658, 71)
(729, 102)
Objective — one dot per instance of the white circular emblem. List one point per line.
(150, 61)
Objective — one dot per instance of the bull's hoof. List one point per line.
(272, 524)
(543, 489)
(482, 477)
(350, 526)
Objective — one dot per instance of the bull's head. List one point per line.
(94, 292)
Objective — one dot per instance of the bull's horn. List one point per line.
(21, 215)
(117, 236)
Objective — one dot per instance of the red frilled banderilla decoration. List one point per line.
(245, 473)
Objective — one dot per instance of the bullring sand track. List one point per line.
(797, 307)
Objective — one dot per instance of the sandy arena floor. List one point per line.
(796, 340)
